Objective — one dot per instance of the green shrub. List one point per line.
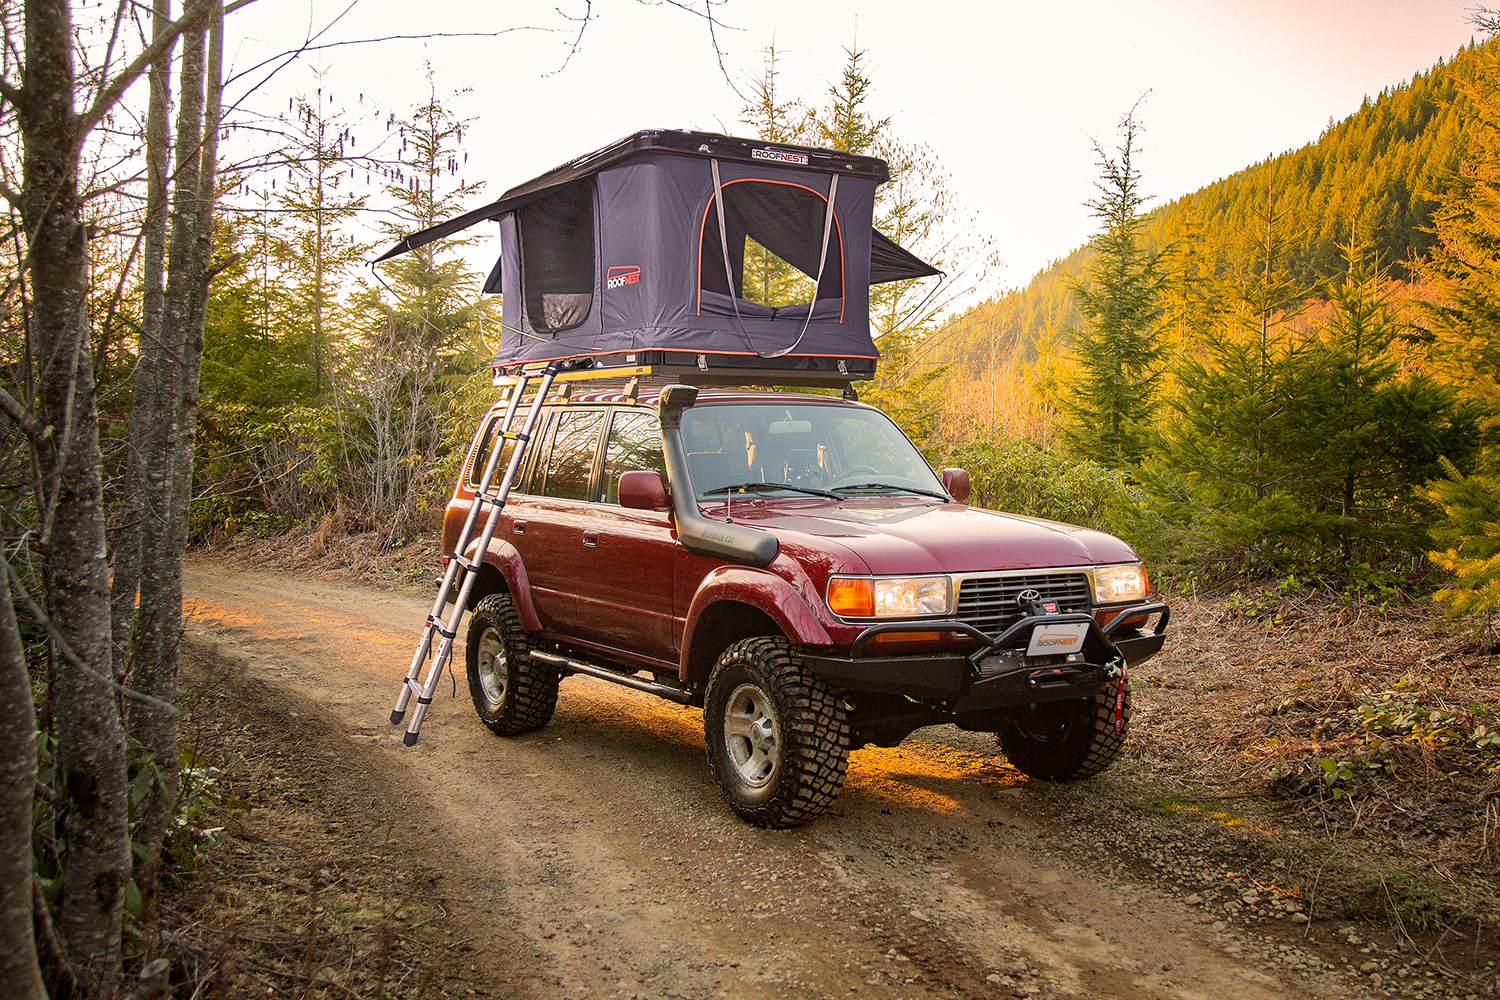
(1021, 478)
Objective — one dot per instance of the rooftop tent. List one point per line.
(690, 242)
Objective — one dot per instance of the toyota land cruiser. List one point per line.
(792, 565)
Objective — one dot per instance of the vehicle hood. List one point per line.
(915, 535)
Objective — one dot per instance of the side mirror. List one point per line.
(956, 482)
(642, 490)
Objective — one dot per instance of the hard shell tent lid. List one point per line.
(621, 251)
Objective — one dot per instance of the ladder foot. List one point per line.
(396, 717)
(409, 739)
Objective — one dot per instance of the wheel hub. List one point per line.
(750, 735)
(492, 668)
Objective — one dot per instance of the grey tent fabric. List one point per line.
(619, 251)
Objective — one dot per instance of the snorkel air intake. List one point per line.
(698, 534)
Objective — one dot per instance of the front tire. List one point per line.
(1068, 740)
(777, 737)
(512, 693)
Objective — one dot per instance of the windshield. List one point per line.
(841, 449)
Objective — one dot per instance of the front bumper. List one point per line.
(998, 674)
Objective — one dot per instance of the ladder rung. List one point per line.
(467, 564)
(493, 498)
(437, 623)
(515, 436)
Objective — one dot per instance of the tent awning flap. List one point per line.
(890, 262)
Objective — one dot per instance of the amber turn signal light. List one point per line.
(852, 598)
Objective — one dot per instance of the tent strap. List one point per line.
(833, 189)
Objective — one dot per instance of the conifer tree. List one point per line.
(1471, 536)
(767, 278)
(1237, 454)
(908, 386)
(1117, 351)
(418, 335)
(1378, 434)
(1465, 267)
(315, 252)
(1466, 270)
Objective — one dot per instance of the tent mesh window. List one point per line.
(781, 227)
(557, 257)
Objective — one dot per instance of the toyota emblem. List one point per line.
(1027, 598)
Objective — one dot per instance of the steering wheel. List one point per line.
(849, 472)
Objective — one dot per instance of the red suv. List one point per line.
(806, 579)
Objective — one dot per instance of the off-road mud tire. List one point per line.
(512, 693)
(1067, 740)
(799, 770)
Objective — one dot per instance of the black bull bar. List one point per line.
(998, 674)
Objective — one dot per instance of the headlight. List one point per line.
(1113, 584)
(890, 597)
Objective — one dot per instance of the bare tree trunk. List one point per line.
(91, 745)
(18, 967)
(158, 628)
(127, 547)
(173, 433)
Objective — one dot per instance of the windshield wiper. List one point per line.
(893, 486)
(761, 487)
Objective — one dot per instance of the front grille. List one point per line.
(989, 602)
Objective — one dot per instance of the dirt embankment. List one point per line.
(595, 857)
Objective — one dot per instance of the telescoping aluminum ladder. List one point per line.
(462, 570)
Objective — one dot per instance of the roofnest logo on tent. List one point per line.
(619, 277)
(779, 156)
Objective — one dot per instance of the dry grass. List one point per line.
(326, 552)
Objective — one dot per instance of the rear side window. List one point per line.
(482, 456)
(570, 457)
(557, 257)
(634, 444)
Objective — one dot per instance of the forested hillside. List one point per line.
(1290, 373)
(1379, 171)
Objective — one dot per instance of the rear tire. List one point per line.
(1068, 740)
(512, 693)
(777, 738)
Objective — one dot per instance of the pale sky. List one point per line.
(1009, 95)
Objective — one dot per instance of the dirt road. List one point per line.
(603, 844)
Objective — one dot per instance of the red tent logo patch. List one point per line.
(619, 277)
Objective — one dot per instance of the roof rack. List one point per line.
(703, 370)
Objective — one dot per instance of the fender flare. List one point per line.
(759, 589)
(504, 557)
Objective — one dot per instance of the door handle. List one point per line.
(518, 527)
(591, 538)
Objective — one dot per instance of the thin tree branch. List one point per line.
(23, 417)
(19, 588)
(112, 91)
